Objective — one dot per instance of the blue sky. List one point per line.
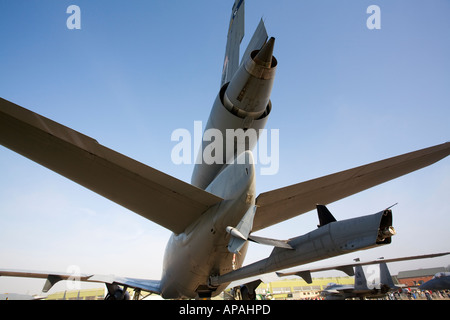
(344, 96)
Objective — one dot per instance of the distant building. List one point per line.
(414, 278)
(297, 288)
(84, 294)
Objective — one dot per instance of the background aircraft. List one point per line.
(49, 202)
(380, 284)
(374, 282)
(441, 281)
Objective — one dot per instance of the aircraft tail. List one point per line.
(385, 276)
(360, 279)
(234, 38)
(236, 31)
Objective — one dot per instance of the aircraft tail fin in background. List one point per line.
(385, 276)
(234, 38)
(111, 281)
(360, 279)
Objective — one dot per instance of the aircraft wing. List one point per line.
(281, 204)
(348, 268)
(152, 286)
(148, 192)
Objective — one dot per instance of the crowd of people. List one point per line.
(413, 294)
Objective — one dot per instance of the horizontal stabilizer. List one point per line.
(165, 200)
(285, 203)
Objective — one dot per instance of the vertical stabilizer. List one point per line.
(360, 279)
(234, 38)
(385, 276)
(259, 38)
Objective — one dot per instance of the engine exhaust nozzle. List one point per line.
(248, 93)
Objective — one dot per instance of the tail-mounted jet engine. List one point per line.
(242, 107)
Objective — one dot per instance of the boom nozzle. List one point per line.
(265, 55)
(248, 93)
